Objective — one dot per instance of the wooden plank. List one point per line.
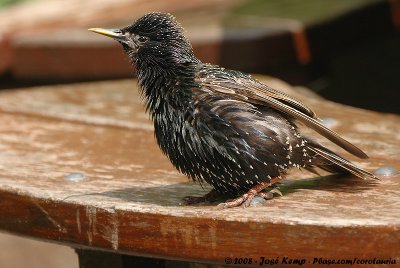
(127, 198)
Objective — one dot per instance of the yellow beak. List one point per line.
(113, 33)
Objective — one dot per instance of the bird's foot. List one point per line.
(207, 198)
(256, 191)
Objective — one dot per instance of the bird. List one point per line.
(221, 126)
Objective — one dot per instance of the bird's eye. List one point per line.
(142, 39)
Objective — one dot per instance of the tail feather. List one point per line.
(339, 163)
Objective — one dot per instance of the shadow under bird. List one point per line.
(222, 126)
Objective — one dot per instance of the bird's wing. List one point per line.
(241, 86)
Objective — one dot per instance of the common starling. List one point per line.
(222, 126)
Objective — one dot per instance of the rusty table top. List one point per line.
(79, 166)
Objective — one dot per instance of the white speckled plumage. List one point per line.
(218, 125)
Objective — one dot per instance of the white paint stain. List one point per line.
(91, 215)
(111, 233)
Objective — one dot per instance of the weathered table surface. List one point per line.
(79, 166)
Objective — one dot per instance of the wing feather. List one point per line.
(241, 86)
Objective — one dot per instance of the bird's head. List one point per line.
(154, 39)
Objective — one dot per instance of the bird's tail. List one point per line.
(333, 163)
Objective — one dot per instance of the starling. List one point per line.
(222, 126)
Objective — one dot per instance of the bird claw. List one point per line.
(234, 203)
(247, 199)
(244, 200)
(276, 191)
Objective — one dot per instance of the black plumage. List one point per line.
(218, 125)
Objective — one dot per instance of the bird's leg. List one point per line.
(246, 198)
(209, 197)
